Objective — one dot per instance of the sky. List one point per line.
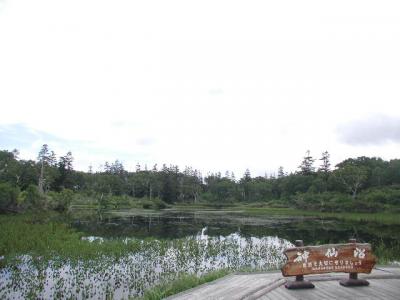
(216, 85)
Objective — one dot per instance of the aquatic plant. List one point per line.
(145, 264)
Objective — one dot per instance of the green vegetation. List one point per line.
(80, 268)
(37, 198)
(387, 253)
(379, 217)
(45, 236)
(181, 284)
(360, 184)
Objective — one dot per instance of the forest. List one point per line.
(362, 184)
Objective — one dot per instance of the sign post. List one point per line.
(353, 279)
(350, 258)
(300, 283)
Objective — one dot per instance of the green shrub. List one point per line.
(62, 200)
(8, 197)
(31, 198)
(327, 201)
(155, 203)
(385, 195)
(159, 204)
(365, 206)
(147, 205)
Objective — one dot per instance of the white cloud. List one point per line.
(214, 84)
(374, 130)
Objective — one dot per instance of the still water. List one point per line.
(183, 243)
(178, 224)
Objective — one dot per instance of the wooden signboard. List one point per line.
(347, 258)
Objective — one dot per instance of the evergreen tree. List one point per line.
(107, 167)
(306, 167)
(281, 173)
(247, 176)
(246, 185)
(45, 159)
(325, 163)
(65, 169)
(324, 170)
(233, 176)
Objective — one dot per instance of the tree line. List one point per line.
(362, 183)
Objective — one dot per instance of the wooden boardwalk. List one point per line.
(384, 284)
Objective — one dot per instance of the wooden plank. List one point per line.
(262, 290)
(284, 293)
(379, 289)
(383, 288)
(278, 295)
(234, 287)
(268, 286)
(334, 290)
(347, 258)
(387, 289)
(392, 270)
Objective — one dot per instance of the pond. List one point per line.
(174, 242)
(179, 224)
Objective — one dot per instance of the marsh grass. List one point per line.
(379, 217)
(263, 209)
(41, 256)
(44, 258)
(182, 283)
(44, 236)
(386, 254)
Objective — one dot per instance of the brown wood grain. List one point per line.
(347, 258)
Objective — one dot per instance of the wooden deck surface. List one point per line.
(384, 284)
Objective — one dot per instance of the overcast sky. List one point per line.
(218, 85)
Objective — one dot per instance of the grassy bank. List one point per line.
(34, 244)
(181, 284)
(252, 210)
(50, 241)
(46, 236)
(380, 217)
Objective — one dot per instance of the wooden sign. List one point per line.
(347, 258)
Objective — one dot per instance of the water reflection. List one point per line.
(155, 261)
(175, 224)
(185, 242)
